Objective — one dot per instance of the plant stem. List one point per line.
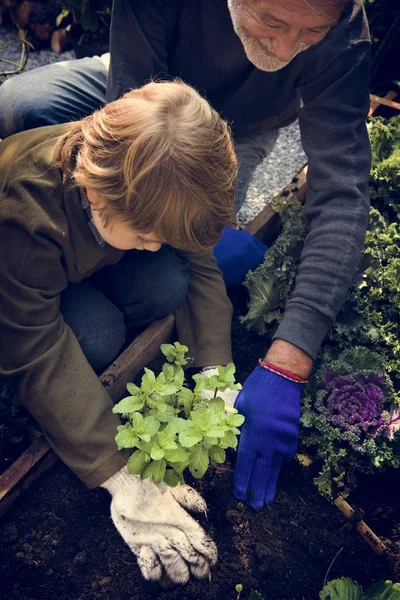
(331, 565)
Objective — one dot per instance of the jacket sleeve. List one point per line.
(203, 321)
(335, 139)
(138, 45)
(44, 362)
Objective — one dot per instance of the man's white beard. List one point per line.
(254, 49)
(255, 53)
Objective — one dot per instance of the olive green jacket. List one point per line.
(45, 244)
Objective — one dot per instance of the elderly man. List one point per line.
(261, 64)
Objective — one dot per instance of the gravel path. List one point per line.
(269, 178)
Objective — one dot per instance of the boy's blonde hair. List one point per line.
(161, 159)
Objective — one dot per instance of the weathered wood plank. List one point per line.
(386, 101)
(266, 224)
(142, 350)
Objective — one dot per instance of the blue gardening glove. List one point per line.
(269, 435)
(238, 252)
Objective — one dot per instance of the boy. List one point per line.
(154, 170)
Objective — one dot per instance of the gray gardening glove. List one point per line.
(153, 521)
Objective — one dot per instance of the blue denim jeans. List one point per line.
(119, 300)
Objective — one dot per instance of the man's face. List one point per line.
(273, 32)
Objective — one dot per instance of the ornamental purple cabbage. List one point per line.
(354, 403)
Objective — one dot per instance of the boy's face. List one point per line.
(118, 234)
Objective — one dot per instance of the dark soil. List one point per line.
(58, 542)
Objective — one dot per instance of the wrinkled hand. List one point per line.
(228, 396)
(153, 521)
(269, 435)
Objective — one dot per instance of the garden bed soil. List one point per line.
(58, 541)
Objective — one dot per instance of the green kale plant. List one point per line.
(271, 284)
(385, 172)
(345, 588)
(369, 315)
(172, 427)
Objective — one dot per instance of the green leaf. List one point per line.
(218, 405)
(235, 430)
(229, 440)
(227, 372)
(190, 436)
(199, 460)
(151, 425)
(324, 483)
(178, 455)
(169, 371)
(172, 478)
(148, 382)
(217, 454)
(155, 469)
(185, 400)
(175, 353)
(179, 377)
(209, 441)
(133, 389)
(157, 453)
(254, 595)
(169, 352)
(340, 589)
(178, 424)
(383, 590)
(235, 420)
(168, 389)
(181, 466)
(145, 446)
(181, 348)
(136, 462)
(137, 421)
(126, 437)
(205, 419)
(226, 376)
(162, 412)
(217, 432)
(201, 381)
(128, 405)
(166, 438)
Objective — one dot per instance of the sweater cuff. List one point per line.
(205, 359)
(303, 327)
(118, 482)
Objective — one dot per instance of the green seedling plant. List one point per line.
(171, 427)
(254, 595)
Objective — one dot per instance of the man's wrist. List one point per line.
(285, 355)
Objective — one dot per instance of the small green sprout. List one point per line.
(171, 427)
(239, 589)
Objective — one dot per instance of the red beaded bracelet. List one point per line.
(282, 372)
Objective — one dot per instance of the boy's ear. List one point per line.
(94, 199)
